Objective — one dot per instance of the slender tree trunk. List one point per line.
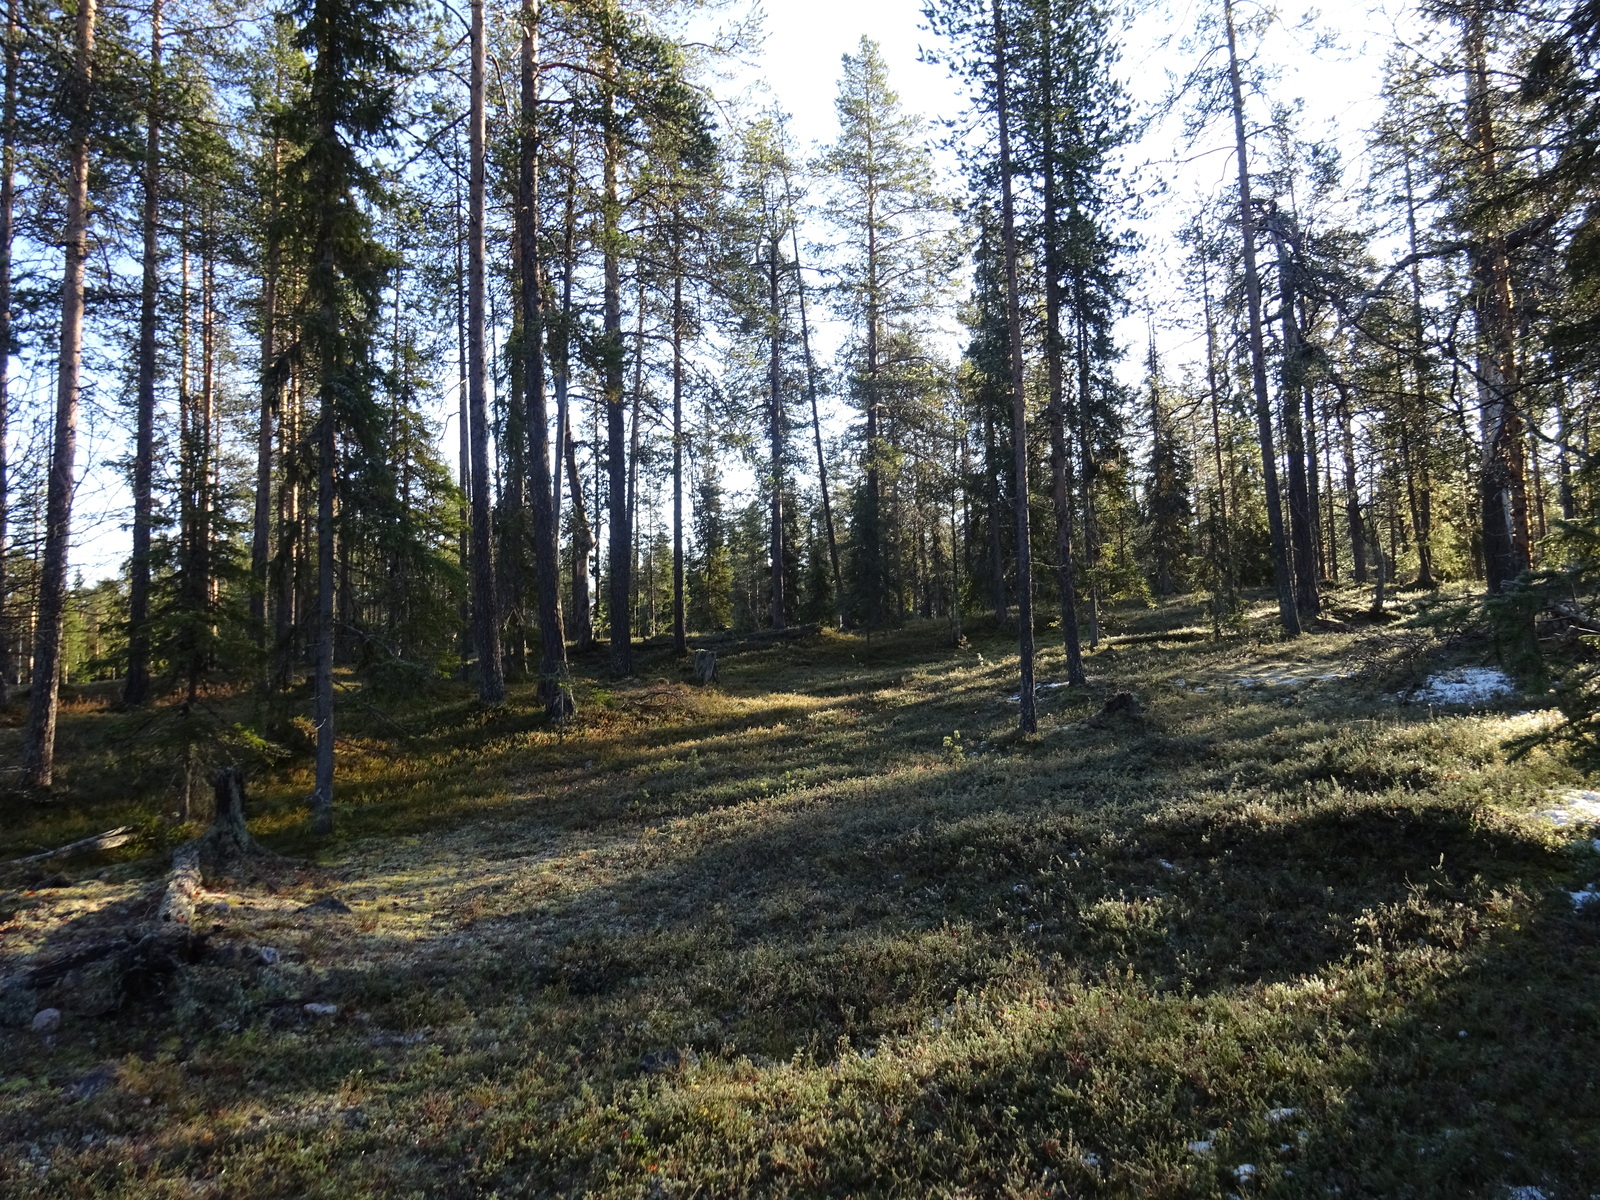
(271, 384)
(39, 739)
(997, 564)
(1224, 477)
(1087, 463)
(1060, 484)
(485, 600)
(136, 686)
(1352, 492)
(1302, 517)
(1282, 576)
(637, 404)
(1506, 541)
(8, 167)
(621, 532)
(463, 410)
(775, 424)
(582, 534)
(322, 715)
(1028, 718)
(680, 631)
(555, 685)
(816, 433)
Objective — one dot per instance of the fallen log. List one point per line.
(109, 840)
(141, 967)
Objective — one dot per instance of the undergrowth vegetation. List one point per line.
(833, 928)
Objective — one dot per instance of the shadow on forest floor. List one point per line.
(833, 928)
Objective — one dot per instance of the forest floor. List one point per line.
(1280, 934)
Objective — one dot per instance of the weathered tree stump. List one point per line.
(705, 666)
(144, 969)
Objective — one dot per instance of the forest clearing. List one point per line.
(833, 927)
(663, 598)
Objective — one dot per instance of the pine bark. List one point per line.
(621, 527)
(136, 685)
(1060, 468)
(775, 431)
(1028, 717)
(1283, 577)
(816, 434)
(39, 738)
(680, 632)
(485, 600)
(8, 165)
(555, 686)
(1503, 488)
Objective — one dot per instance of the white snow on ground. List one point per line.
(1525, 1193)
(1464, 685)
(1576, 808)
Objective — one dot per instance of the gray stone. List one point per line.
(47, 1020)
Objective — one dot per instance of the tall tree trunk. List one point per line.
(136, 685)
(680, 632)
(322, 714)
(1028, 718)
(39, 739)
(816, 432)
(1224, 477)
(1302, 517)
(485, 600)
(8, 167)
(1352, 492)
(1088, 466)
(997, 558)
(555, 685)
(775, 430)
(621, 531)
(1506, 542)
(582, 533)
(1060, 483)
(1282, 576)
(463, 409)
(271, 390)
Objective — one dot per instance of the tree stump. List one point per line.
(705, 666)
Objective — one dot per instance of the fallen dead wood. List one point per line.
(141, 966)
(109, 840)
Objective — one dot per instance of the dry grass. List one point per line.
(780, 938)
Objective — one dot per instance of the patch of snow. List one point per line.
(1585, 898)
(1089, 1160)
(1200, 1147)
(1577, 807)
(1525, 1193)
(1166, 864)
(1464, 685)
(321, 1010)
(1244, 1172)
(1280, 1114)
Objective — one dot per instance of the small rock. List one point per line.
(328, 904)
(47, 1020)
(321, 1010)
(93, 1083)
